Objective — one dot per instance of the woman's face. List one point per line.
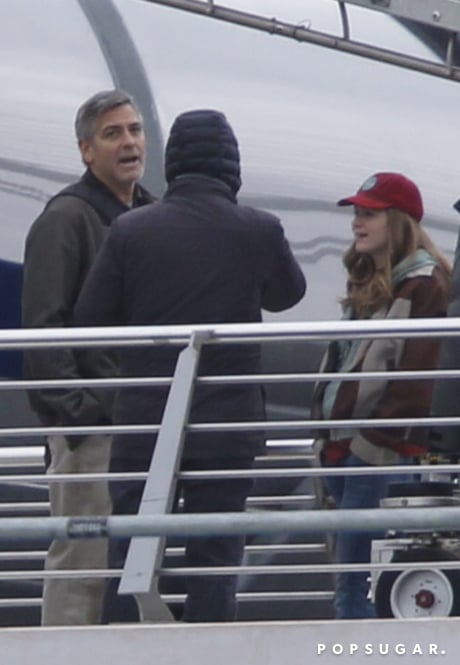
(370, 230)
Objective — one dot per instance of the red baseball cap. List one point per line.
(388, 190)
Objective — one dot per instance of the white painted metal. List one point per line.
(431, 582)
(251, 522)
(298, 521)
(443, 14)
(232, 332)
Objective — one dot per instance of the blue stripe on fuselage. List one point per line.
(10, 314)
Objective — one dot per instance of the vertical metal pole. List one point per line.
(145, 554)
(345, 23)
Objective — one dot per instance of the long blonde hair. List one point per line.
(369, 288)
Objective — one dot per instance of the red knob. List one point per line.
(424, 599)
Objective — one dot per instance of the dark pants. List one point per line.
(209, 597)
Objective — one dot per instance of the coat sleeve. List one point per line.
(411, 399)
(52, 278)
(100, 302)
(285, 283)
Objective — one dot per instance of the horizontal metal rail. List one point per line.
(286, 459)
(294, 472)
(278, 548)
(23, 555)
(228, 379)
(252, 502)
(277, 450)
(301, 569)
(174, 552)
(272, 596)
(276, 569)
(40, 479)
(297, 425)
(178, 598)
(7, 603)
(318, 425)
(24, 506)
(14, 456)
(250, 523)
(318, 472)
(285, 499)
(240, 333)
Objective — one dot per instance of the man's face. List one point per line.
(116, 152)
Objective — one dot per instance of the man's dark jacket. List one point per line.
(196, 257)
(60, 249)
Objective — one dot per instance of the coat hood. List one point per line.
(203, 142)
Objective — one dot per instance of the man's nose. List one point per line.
(128, 138)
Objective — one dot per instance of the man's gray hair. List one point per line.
(97, 105)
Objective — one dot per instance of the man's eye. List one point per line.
(111, 133)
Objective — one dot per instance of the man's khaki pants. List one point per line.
(78, 601)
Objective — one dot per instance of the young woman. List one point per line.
(394, 271)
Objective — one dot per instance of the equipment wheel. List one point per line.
(420, 593)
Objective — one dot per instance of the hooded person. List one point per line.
(394, 271)
(196, 257)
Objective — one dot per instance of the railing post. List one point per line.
(145, 554)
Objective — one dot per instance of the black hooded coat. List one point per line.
(196, 257)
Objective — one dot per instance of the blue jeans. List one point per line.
(351, 596)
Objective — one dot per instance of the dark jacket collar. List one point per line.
(191, 183)
(102, 199)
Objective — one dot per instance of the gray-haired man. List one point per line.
(60, 248)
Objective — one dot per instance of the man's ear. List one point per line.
(86, 151)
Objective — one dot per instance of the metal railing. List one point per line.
(153, 524)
